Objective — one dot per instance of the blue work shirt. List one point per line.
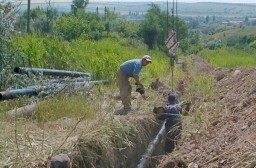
(131, 67)
(171, 115)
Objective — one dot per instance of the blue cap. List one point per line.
(171, 97)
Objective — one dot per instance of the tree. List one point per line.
(71, 27)
(87, 25)
(193, 24)
(9, 57)
(207, 19)
(194, 37)
(78, 4)
(42, 19)
(151, 28)
(154, 29)
(7, 17)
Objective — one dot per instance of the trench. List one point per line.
(129, 157)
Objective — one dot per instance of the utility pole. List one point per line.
(28, 17)
(177, 20)
(167, 19)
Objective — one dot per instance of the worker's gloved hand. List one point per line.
(160, 113)
(159, 110)
(140, 88)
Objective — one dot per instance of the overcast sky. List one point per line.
(223, 1)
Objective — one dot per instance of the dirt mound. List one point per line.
(228, 139)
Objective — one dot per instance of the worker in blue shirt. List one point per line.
(173, 124)
(130, 69)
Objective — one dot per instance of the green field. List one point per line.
(229, 58)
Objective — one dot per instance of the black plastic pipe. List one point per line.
(151, 148)
(11, 94)
(53, 72)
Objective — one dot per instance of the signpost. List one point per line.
(171, 43)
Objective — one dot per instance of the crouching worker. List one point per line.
(127, 70)
(173, 125)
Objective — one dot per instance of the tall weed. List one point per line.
(76, 106)
(101, 58)
(230, 57)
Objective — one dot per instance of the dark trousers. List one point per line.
(173, 135)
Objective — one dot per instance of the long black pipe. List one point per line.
(11, 94)
(99, 82)
(53, 72)
(66, 80)
(78, 80)
(159, 136)
(151, 147)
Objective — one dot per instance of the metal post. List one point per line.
(167, 20)
(173, 22)
(28, 17)
(177, 20)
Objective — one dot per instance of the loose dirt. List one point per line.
(227, 138)
(222, 136)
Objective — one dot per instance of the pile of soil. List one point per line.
(228, 139)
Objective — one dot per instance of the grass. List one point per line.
(86, 116)
(73, 106)
(242, 31)
(101, 142)
(83, 126)
(229, 57)
(101, 58)
(79, 124)
(200, 91)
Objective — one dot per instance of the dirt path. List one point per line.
(228, 137)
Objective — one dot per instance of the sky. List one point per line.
(188, 1)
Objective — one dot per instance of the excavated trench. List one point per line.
(128, 157)
(133, 155)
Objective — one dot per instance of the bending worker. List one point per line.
(173, 124)
(130, 68)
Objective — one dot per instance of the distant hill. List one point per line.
(140, 8)
(236, 32)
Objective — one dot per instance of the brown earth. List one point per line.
(226, 135)
(222, 136)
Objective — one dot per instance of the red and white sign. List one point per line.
(170, 41)
(173, 47)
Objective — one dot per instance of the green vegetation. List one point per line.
(229, 58)
(203, 86)
(154, 28)
(101, 58)
(201, 92)
(88, 42)
(239, 38)
(74, 106)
